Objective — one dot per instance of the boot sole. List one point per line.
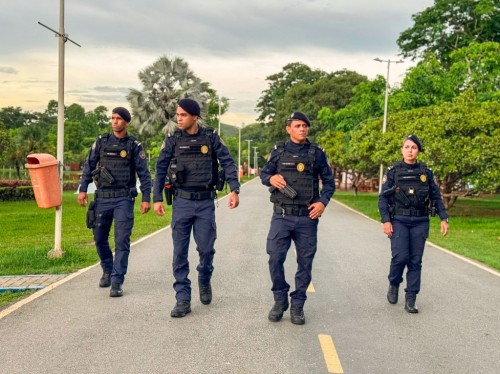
(180, 315)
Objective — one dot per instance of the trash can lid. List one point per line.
(40, 159)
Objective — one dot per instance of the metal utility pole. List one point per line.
(255, 166)
(239, 148)
(218, 104)
(57, 251)
(386, 101)
(248, 166)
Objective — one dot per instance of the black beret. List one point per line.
(416, 140)
(122, 112)
(299, 116)
(190, 106)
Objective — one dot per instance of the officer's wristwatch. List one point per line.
(445, 220)
(237, 190)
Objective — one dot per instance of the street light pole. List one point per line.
(386, 101)
(218, 103)
(255, 166)
(248, 166)
(239, 148)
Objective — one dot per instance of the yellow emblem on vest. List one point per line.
(204, 149)
(123, 153)
(423, 178)
(300, 167)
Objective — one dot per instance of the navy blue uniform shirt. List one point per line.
(167, 153)
(138, 163)
(434, 194)
(320, 168)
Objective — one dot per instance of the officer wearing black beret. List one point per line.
(293, 172)
(113, 162)
(409, 195)
(189, 160)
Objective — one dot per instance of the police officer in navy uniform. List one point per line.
(113, 162)
(409, 195)
(189, 158)
(293, 172)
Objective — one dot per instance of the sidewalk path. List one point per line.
(16, 283)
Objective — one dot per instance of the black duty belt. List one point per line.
(111, 194)
(412, 212)
(200, 195)
(291, 210)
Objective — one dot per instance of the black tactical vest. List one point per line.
(194, 164)
(116, 159)
(298, 171)
(413, 186)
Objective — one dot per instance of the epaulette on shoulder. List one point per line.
(317, 146)
(279, 145)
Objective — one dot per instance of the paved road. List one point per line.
(78, 328)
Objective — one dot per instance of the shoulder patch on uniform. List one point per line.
(94, 145)
(384, 178)
(142, 155)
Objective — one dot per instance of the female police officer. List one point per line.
(409, 194)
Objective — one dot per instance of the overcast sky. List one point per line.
(232, 44)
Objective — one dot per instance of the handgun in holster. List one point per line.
(90, 220)
(221, 180)
(433, 209)
(169, 191)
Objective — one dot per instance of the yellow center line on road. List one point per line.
(311, 288)
(330, 353)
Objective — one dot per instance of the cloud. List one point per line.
(8, 70)
(233, 45)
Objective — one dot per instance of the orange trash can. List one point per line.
(44, 175)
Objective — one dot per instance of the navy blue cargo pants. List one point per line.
(407, 247)
(304, 233)
(198, 216)
(121, 210)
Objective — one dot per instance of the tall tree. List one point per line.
(164, 83)
(461, 142)
(450, 25)
(279, 84)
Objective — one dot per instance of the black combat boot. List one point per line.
(181, 308)
(105, 280)
(205, 293)
(297, 315)
(116, 290)
(410, 306)
(277, 311)
(392, 294)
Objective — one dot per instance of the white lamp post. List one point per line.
(255, 166)
(386, 100)
(248, 166)
(239, 148)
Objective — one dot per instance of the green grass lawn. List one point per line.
(474, 225)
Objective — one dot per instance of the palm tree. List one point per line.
(165, 82)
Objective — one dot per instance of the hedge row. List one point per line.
(14, 190)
